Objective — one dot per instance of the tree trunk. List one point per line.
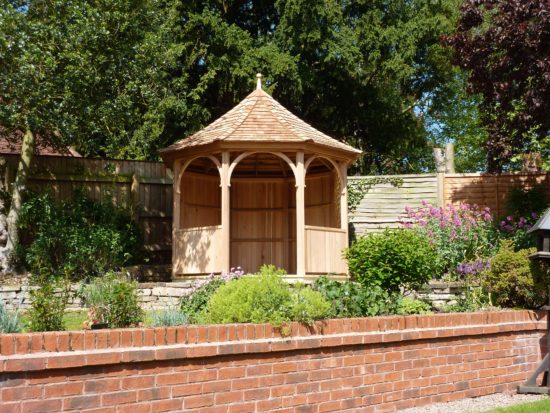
(19, 187)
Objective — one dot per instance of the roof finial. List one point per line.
(259, 81)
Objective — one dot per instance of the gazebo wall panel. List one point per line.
(198, 250)
(324, 249)
(320, 201)
(200, 201)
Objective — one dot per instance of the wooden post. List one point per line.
(176, 184)
(344, 197)
(300, 216)
(450, 158)
(440, 170)
(226, 212)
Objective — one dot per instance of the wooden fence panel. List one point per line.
(383, 205)
(143, 187)
(490, 190)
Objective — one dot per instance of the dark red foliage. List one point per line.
(505, 44)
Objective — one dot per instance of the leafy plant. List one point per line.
(352, 299)
(516, 281)
(409, 305)
(264, 298)
(194, 303)
(392, 259)
(521, 200)
(48, 301)
(10, 322)
(308, 305)
(81, 237)
(112, 300)
(458, 234)
(168, 317)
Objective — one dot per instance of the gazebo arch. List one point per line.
(263, 157)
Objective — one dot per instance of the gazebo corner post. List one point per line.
(226, 212)
(176, 214)
(344, 219)
(300, 216)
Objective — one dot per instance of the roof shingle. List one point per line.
(259, 118)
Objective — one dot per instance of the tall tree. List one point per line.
(356, 70)
(506, 47)
(97, 75)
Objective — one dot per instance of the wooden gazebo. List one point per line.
(259, 186)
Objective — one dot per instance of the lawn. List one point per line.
(542, 406)
(75, 319)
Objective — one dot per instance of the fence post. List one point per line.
(439, 158)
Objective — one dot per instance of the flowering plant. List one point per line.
(459, 233)
(515, 229)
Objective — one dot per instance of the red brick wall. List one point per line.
(377, 364)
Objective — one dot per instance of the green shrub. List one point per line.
(516, 281)
(10, 322)
(270, 269)
(392, 259)
(351, 299)
(409, 305)
(81, 237)
(168, 317)
(112, 300)
(308, 305)
(194, 303)
(251, 299)
(264, 298)
(48, 301)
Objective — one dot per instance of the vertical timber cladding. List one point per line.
(146, 187)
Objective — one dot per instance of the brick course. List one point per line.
(379, 364)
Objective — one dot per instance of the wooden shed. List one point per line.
(259, 186)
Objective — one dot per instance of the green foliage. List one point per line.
(48, 301)
(112, 300)
(474, 298)
(516, 281)
(163, 69)
(251, 299)
(392, 259)
(10, 322)
(524, 201)
(358, 187)
(264, 298)
(168, 317)
(81, 237)
(409, 305)
(193, 305)
(453, 115)
(270, 269)
(308, 305)
(351, 299)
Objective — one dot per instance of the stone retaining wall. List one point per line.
(153, 296)
(378, 364)
(162, 295)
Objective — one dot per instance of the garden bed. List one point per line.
(376, 364)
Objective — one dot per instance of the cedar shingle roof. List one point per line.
(259, 118)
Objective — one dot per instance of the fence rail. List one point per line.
(146, 188)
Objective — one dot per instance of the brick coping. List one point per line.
(46, 351)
